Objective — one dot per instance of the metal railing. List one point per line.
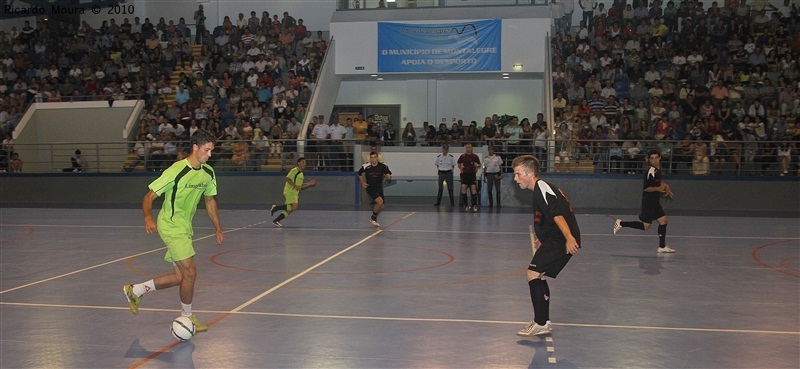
(734, 158)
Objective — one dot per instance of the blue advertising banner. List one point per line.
(454, 47)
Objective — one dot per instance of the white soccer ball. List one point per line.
(182, 328)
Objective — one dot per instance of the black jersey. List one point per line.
(468, 161)
(549, 202)
(651, 179)
(374, 174)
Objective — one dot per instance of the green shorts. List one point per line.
(292, 197)
(179, 246)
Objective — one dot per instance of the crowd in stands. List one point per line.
(712, 85)
(255, 72)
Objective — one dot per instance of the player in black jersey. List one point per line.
(556, 238)
(653, 189)
(371, 176)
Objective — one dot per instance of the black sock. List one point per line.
(464, 199)
(540, 297)
(280, 217)
(281, 207)
(662, 235)
(475, 200)
(374, 215)
(637, 225)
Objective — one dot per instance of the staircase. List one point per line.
(174, 79)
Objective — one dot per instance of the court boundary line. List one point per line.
(110, 262)
(275, 288)
(402, 319)
(252, 227)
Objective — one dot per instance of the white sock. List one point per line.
(186, 309)
(141, 288)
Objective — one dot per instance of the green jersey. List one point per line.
(296, 176)
(183, 186)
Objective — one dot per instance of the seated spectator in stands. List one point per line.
(231, 131)
(240, 155)
(389, 136)
(246, 130)
(757, 110)
(631, 149)
(266, 122)
(280, 106)
(276, 136)
(291, 95)
(598, 119)
(683, 152)
(15, 164)
(264, 95)
(700, 161)
(600, 148)
(226, 147)
(717, 152)
(559, 103)
(664, 129)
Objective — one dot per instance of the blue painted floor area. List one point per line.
(427, 289)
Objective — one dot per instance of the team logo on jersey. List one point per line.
(537, 217)
(195, 186)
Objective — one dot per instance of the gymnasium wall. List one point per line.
(778, 196)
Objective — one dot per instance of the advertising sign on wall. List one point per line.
(435, 48)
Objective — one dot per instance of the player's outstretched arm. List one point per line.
(309, 184)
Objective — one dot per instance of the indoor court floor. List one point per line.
(427, 289)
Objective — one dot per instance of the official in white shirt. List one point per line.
(445, 164)
(492, 175)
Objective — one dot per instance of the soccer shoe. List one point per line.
(475, 208)
(133, 300)
(666, 250)
(198, 327)
(617, 226)
(534, 329)
(272, 210)
(277, 224)
(374, 222)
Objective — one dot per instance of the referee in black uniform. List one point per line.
(653, 189)
(445, 163)
(556, 238)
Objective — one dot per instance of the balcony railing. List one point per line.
(733, 158)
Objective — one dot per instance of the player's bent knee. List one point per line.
(532, 274)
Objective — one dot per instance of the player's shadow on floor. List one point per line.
(180, 356)
(650, 265)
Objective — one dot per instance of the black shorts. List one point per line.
(549, 259)
(651, 212)
(468, 179)
(375, 193)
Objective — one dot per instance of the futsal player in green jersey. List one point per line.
(291, 192)
(182, 184)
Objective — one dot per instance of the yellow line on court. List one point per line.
(109, 262)
(400, 319)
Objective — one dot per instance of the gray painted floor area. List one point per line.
(427, 289)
